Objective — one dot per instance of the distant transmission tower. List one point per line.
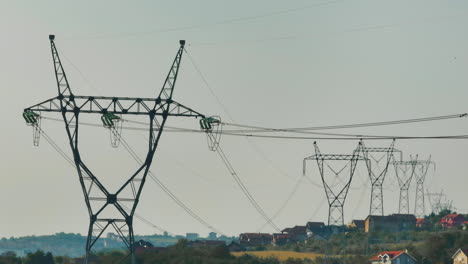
(377, 174)
(404, 171)
(106, 208)
(420, 173)
(336, 200)
(435, 200)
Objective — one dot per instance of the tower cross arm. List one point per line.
(115, 105)
(405, 162)
(335, 157)
(372, 149)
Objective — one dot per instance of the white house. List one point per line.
(460, 257)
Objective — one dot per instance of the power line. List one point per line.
(233, 173)
(356, 125)
(169, 192)
(216, 23)
(208, 85)
(343, 31)
(350, 138)
(144, 220)
(285, 203)
(72, 164)
(244, 189)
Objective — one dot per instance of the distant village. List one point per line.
(373, 223)
(320, 231)
(299, 235)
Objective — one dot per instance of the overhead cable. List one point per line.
(244, 189)
(167, 191)
(72, 164)
(356, 125)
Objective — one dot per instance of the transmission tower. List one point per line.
(439, 202)
(336, 199)
(377, 174)
(420, 173)
(435, 200)
(404, 171)
(111, 209)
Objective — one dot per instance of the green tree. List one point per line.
(39, 257)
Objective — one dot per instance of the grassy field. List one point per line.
(281, 255)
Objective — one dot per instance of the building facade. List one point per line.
(452, 220)
(255, 239)
(296, 234)
(390, 223)
(460, 257)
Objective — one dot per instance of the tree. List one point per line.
(39, 257)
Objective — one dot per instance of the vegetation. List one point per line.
(281, 255)
(429, 245)
(355, 247)
(72, 245)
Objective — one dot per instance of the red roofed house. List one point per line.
(452, 220)
(421, 222)
(461, 256)
(393, 257)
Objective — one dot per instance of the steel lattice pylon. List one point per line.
(420, 173)
(404, 171)
(336, 201)
(377, 176)
(435, 200)
(99, 200)
(439, 202)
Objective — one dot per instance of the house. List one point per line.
(212, 236)
(297, 233)
(205, 243)
(317, 230)
(461, 256)
(422, 223)
(393, 257)
(192, 236)
(357, 224)
(452, 220)
(255, 239)
(281, 239)
(390, 223)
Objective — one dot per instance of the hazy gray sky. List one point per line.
(270, 63)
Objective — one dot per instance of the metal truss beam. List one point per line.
(115, 105)
(99, 200)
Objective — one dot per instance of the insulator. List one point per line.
(109, 119)
(30, 117)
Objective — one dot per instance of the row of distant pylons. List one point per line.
(378, 160)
